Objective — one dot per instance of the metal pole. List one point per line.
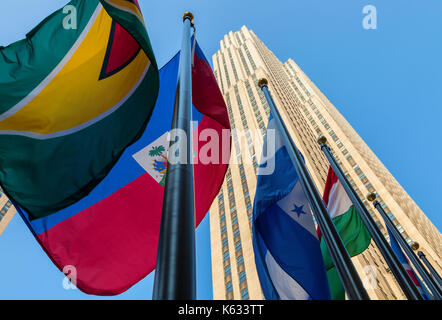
(411, 255)
(346, 270)
(433, 271)
(401, 275)
(175, 277)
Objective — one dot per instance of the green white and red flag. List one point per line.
(350, 226)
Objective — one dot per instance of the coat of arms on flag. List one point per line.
(153, 158)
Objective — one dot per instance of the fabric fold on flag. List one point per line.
(71, 101)
(349, 225)
(287, 253)
(111, 235)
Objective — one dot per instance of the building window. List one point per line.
(227, 270)
(226, 255)
(236, 232)
(229, 286)
(245, 294)
(242, 276)
(391, 216)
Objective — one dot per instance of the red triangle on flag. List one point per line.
(122, 48)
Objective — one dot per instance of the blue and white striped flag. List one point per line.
(287, 253)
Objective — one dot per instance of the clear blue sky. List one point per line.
(386, 82)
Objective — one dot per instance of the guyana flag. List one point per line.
(348, 223)
(73, 96)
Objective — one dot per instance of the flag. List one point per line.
(111, 235)
(73, 97)
(287, 253)
(349, 225)
(406, 264)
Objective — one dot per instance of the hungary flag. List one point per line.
(352, 230)
(73, 96)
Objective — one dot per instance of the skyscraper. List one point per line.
(7, 211)
(241, 61)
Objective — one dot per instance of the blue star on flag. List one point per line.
(299, 210)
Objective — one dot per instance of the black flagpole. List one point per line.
(404, 280)
(346, 270)
(175, 277)
(433, 271)
(411, 255)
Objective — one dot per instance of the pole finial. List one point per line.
(322, 140)
(371, 196)
(188, 15)
(262, 82)
(414, 245)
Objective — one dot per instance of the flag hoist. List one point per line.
(175, 276)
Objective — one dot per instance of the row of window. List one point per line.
(246, 192)
(225, 244)
(246, 127)
(5, 208)
(258, 116)
(225, 70)
(235, 73)
(249, 56)
(219, 80)
(236, 236)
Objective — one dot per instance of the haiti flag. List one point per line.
(111, 235)
(73, 96)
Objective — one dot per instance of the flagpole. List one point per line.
(401, 275)
(175, 276)
(433, 271)
(346, 270)
(411, 255)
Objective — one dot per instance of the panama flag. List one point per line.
(406, 264)
(352, 230)
(108, 239)
(287, 253)
(72, 98)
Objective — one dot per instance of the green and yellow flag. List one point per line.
(73, 95)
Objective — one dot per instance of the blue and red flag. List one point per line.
(406, 264)
(111, 235)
